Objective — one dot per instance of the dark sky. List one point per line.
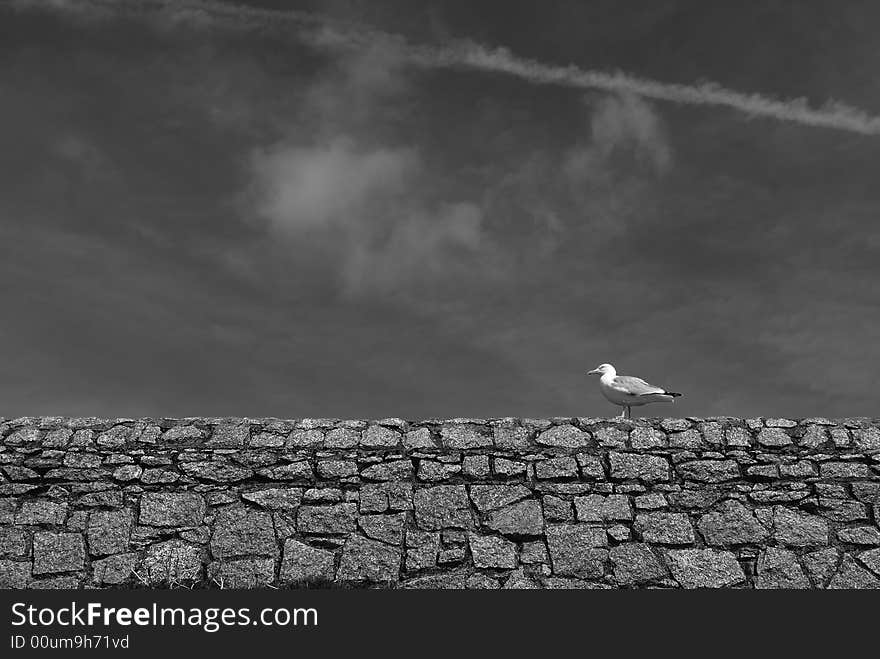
(208, 216)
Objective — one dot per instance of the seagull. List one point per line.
(628, 391)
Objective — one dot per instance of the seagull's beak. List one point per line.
(593, 372)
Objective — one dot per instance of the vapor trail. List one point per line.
(322, 31)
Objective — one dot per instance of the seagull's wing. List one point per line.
(635, 386)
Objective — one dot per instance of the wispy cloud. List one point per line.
(302, 188)
(362, 207)
(622, 121)
(327, 33)
(831, 115)
(361, 202)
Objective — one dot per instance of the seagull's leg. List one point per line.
(622, 412)
(629, 412)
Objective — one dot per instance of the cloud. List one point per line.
(375, 72)
(622, 122)
(612, 177)
(329, 185)
(323, 32)
(421, 250)
(93, 164)
(363, 200)
(833, 114)
(580, 197)
(363, 208)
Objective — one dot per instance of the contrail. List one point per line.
(322, 31)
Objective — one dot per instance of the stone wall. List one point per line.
(464, 503)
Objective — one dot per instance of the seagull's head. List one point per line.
(602, 369)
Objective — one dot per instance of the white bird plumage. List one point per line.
(628, 391)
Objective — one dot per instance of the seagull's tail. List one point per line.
(674, 394)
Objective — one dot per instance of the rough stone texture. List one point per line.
(564, 436)
(709, 471)
(731, 524)
(276, 498)
(464, 436)
(337, 518)
(114, 570)
(779, 568)
(850, 575)
(221, 472)
(577, 550)
(58, 552)
(646, 438)
(561, 467)
(172, 509)
(598, 508)
(523, 518)
(491, 497)
(41, 511)
(387, 528)
(492, 552)
(773, 437)
(465, 503)
(109, 531)
(171, 562)
(797, 529)
(665, 528)
(229, 435)
(705, 568)
(303, 564)
(860, 535)
(243, 532)
(647, 468)
(243, 573)
(635, 563)
(422, 548)
(871, 558)
(442, 506)
(13, 541)
(820, 565)
(369, 560)
(15, 574)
